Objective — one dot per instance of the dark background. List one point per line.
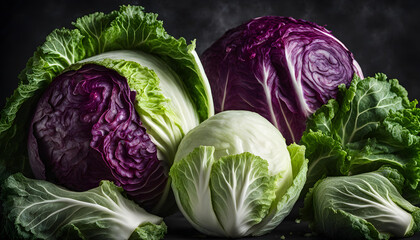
(383, 36)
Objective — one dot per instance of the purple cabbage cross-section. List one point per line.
(282, 68)
(85, 129)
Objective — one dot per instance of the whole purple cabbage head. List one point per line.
(279, 67)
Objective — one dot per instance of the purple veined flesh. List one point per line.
(282, 68)
(85, 129)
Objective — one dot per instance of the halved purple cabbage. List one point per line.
(86, 129)
(279, 67)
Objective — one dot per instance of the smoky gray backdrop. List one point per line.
(383, 35)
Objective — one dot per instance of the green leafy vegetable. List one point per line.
(364, 206)
(234, 176)
(36, 209)
(370, 124)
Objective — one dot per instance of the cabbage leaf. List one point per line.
(37, 209)
(363, 206)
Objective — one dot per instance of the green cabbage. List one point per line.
(234, 176)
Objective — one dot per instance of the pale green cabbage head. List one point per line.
(234, 175)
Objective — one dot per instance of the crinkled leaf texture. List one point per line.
(364, 206)
(370, 124)
(281, 68)
(36, 209)
(327, 157)
(224, 188)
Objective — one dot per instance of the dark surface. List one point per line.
(291, 228)
(383, 36)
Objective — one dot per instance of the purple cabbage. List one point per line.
(85, 129)
(281, 68)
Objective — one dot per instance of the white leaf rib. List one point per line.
(222, 105)
(358, 113)
(264, 83)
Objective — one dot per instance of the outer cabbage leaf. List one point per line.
(365, 104)
(37, 209)
(327, 157)
(191, 186)
(321, 120)
(282, 206)
(242, 192)
(281, 68)
(365, 206)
